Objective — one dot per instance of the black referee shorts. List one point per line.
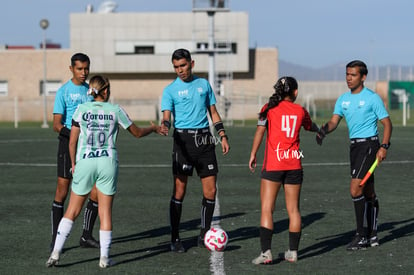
(63, 158)
(362, 153)
(194, 148)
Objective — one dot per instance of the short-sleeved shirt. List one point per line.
(67, 99)
(282, 139)
(188, 102)
(361, 111)
(99, 124)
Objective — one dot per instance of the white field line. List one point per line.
(29, 164)
(217, 258)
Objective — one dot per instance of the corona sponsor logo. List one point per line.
(89, 116)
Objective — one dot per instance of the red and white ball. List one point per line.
(216, 239)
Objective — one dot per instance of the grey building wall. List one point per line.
(138, 79)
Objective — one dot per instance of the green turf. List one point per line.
(141, 228)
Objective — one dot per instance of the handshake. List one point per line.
(320, 135)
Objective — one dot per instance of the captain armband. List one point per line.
(167, 124)
(219, 126)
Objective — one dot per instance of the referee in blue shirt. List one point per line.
(362, 109)
(190, 99)
(68, 97)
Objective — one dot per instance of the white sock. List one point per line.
(63, 232)
(105, 239)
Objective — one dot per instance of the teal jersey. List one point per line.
(188, 102)
(67, 99)
(99, 124)
(362, 112)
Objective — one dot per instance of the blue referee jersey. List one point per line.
(67, 99)
(362, 112)
(188, 102)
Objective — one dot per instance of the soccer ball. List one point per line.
(216, 239)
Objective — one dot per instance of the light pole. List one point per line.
(44, 23)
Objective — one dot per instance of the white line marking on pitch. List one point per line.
(224, 165)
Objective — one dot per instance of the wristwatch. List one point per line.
(386, 145)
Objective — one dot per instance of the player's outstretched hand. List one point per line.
(161, 130)
(165, 127)
(320, 135)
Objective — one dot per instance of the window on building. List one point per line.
(225, 46)
(51, 87)
(4, 88)
(144, 50)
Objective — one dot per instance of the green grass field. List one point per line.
(141, 228)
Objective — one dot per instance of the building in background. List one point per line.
(134, 51)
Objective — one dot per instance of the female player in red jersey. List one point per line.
(283, 119)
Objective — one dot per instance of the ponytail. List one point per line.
(285, 86)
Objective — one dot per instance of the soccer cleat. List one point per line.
(373, 241)
(88, 243)
(291, 256)
(53, 259)
(200, 242)
(358, 242)
(177, 246)
(264, 258)
(105, 262)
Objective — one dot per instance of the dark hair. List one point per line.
(79, 57)
(98, 83)
(285, 86)
(363, 70)
(181, 53)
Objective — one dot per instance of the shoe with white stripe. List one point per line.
(373, 241)
(105, 262)
(291, 256)
(53, 259)
(264, 258)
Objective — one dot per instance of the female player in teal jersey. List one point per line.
(68, 97)
(94, 158)
(362, 109)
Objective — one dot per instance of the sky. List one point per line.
(313, 33)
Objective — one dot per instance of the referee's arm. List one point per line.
(215, 117)
(166, 119)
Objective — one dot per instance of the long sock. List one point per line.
(265, 238)
(64, 229)
(372, 209)
(175, 216)
(105, 240)
(89, 218)
(207, 211)
(56, 216)
(294, 238)
(359, 206)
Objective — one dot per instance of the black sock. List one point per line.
(207, 211)
(372, 208)
(294, 238)
(89, 218)
(265, 238)
(175, 216)
(56, 216)
(359, 206)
